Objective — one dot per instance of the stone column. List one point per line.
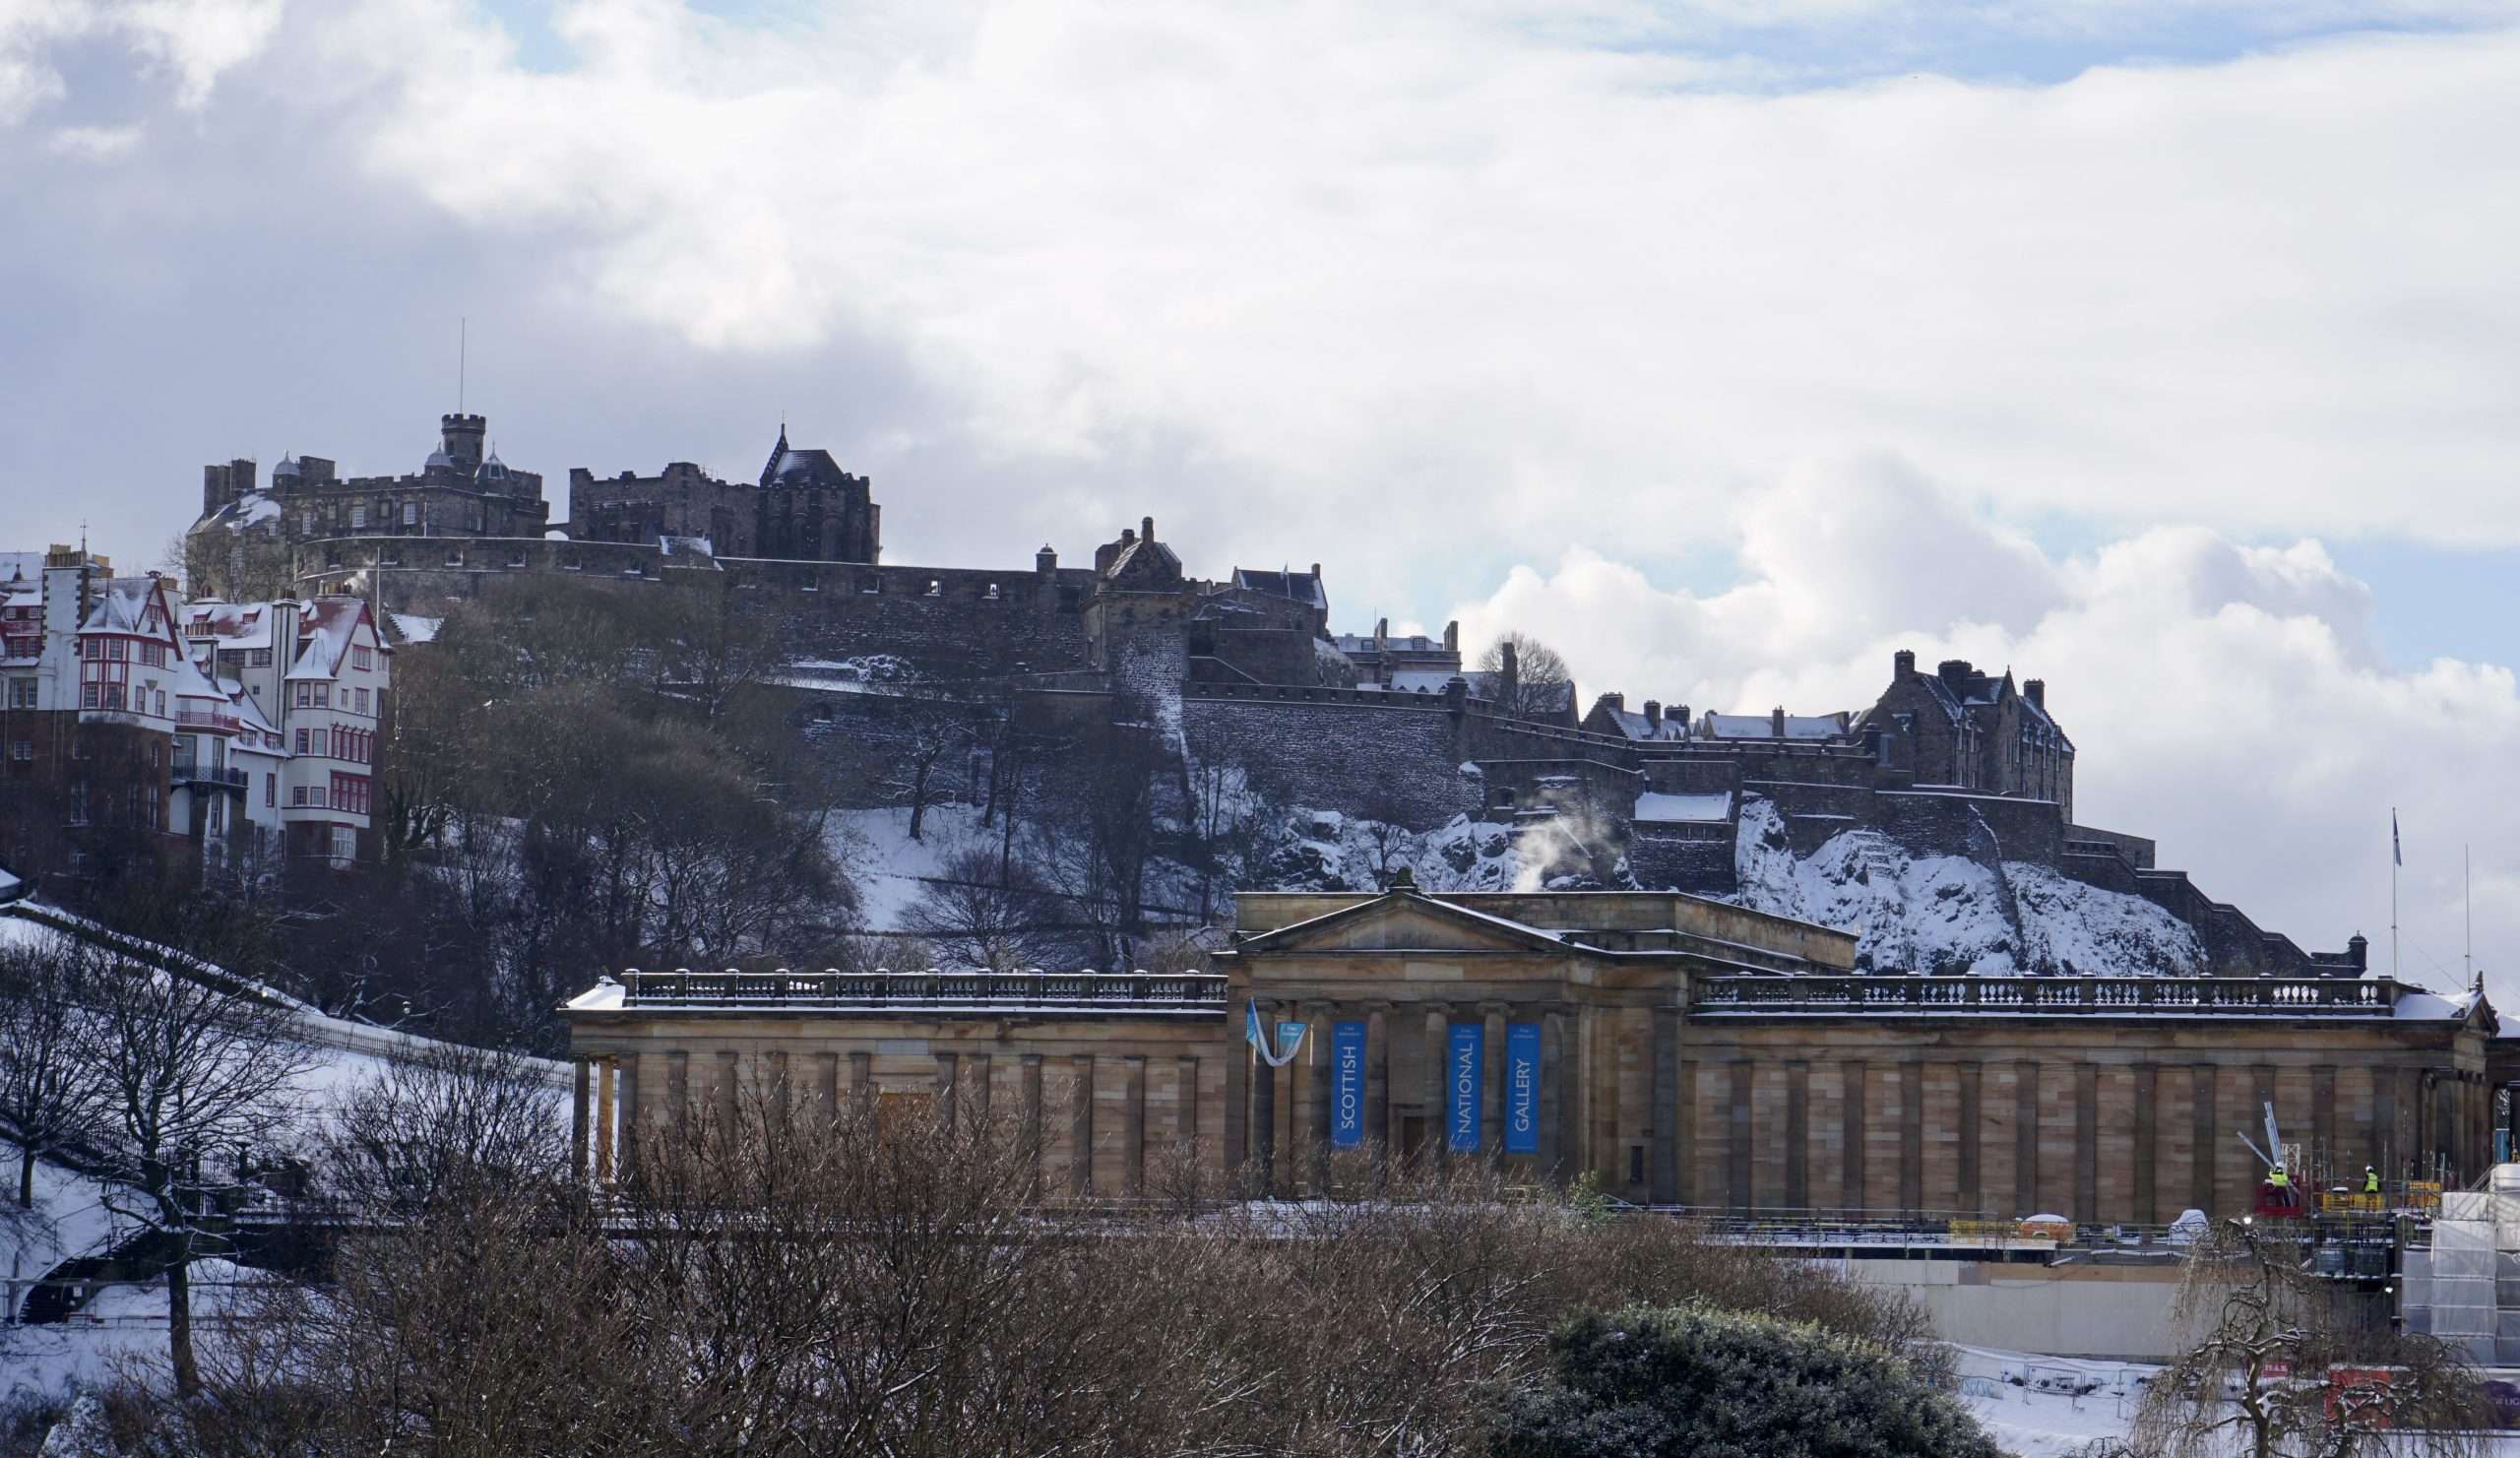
(1436, 1029)
(1133, 1124)
(1263, 1173)
(1663, 1121)
(679, 1094)
(1573, 1147)
(1798, 1134)
(2087, 1142)
(604, 1118)
(1492, 1092)
(1237, 1096)
(1379, 1128)
(949, 1088)
(725, 1094)
(826, 1088)
(1973, 1192)
(977, 1093)
(2147, 1143)
(1320, 1071)
(861, 1082)
(2025, 1149)
(1736, 1148)
(2323, 1126)
(1080, 1122)
(2205, 1147)
(1551, 1158)
(623, 1139)
(578, 1117)
(1185, 1103)
(1035, 1133)
(1851, 1120)
(778, 1100)
(1911, 1136)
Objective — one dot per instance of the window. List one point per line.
(22, 693)
(154, 655)
(306, 522)
(260, 658)
(301, 741)
(160, 709)
(305, 696)
(345, 842)
(363, 701)
(298, 795)
(116, 650)
(350, 794)
(358, 517)
(21, 749)
(455, 559)
(270, 790)
(78, 803)
(113, 695)
(411, 513)
(322, 696)
(362, 658)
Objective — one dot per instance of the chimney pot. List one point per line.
(1146, 528)
(1128, 538)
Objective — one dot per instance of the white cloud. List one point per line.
(1523, 286)
(2221, 697)
(95, 144)
(192, 42)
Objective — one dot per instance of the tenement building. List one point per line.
(1688, 1052)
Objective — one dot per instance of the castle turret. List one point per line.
(461, 437)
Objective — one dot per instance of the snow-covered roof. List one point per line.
(1395, 641)
(1637, 726)
(1297, 587)
(25, 567)
(1423, 681)
(232, 624)
(1763, 725)
(414, 628)
(1712, 805)
(123, 606)
(326, 630)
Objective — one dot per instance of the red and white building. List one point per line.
(130, 723)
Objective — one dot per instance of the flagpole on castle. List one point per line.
(2397, 857)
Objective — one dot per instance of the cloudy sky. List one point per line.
(2167, 352)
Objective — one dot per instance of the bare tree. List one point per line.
(48, 1093)
(933, 734)
(983, 911)
(196, 1069)
(1533, 680)
(2291, 1364)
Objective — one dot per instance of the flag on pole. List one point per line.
(2397, 848)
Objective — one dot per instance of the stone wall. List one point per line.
(1941, 822)
(1366, 752)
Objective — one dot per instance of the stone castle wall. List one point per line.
(1370, 754)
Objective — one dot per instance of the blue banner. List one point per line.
(1347, 1085)
(1465, 1073)
(1522, 1088)
(1289, 1038)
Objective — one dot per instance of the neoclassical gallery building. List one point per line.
(1688, 1052)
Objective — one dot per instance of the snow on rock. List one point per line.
(1325, 850)
(1954, 913)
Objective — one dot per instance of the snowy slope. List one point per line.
(1325, 850)
(1953, 914)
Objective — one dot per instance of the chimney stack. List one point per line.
(1952, 670)
(1146, 528)
(1679, 715)
(2036, 690)
(1776, 721)
(1904, 662)
(1452, 636)
(1653, 715)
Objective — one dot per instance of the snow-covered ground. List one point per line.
(1325, 850)
(887, 864)
(1954, 913)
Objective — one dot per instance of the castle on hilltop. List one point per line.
(1956, 762)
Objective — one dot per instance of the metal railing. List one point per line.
(2106, 996)
(231, 774)
(1175, 991)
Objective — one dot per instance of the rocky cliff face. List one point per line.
(1975, 912)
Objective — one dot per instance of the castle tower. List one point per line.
(462, 436)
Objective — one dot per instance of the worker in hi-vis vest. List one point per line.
(2275, 1177)
(2371, 1180)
